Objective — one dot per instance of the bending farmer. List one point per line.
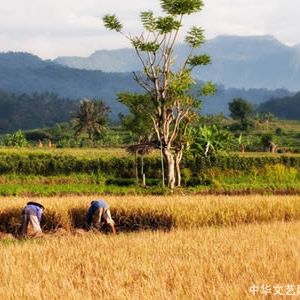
(32, 213)
(96, 211)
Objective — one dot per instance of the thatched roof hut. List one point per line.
(141, 149)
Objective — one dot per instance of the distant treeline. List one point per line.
(283, 108)
(25, 111)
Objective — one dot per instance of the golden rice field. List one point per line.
(153, 212)
(216, 247)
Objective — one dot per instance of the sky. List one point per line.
(51, 28)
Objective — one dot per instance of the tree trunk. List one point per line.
(162, 166)
(178, 157)
(142, 171)
(169, 156)
(136, 168)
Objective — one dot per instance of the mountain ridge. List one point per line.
(237, 61)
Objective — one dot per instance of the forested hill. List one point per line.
(283, 108)
(26, 73)
(32, 111)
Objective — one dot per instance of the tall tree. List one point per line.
(91, 117)
(168, 88)
(241, 110)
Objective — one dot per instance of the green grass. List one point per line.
(290, 138)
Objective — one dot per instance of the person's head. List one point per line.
(36, 204)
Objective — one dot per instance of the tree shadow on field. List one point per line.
(126, 221)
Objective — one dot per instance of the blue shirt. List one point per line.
(94, 206)
(34, 210)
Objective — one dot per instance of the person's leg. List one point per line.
(97, 217)
(25, 221)
(34, 221)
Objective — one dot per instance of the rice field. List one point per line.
(210, 247)
(156, 212)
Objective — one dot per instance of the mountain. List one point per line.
(120, 60)
(239, 62)
(283, 108)
(26, 73)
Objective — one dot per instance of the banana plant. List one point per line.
(209, 140)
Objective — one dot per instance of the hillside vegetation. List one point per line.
(25, 111)
(283, 108)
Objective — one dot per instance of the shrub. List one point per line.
(280, 173)
(16, 139)
(279, 131)
(124, 167)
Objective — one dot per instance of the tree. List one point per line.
(137, 121)
(91, 117)
(172, 104)
(241, 110)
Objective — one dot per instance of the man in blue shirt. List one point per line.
(32, 213)
(98, 209)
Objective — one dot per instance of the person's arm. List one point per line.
(113, 228)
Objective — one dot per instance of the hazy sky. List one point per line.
(51, 28)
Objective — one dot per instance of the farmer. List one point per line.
(98, 209)
(32, 213)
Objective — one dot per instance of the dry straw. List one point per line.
(140, 213)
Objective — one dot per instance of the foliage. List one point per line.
(120, 166)
(284, 108)
(31, 111)
(138, 120)
(267, 139)
(241, 110)
(209, 140)
(16, 139)
(280, 173)
(91, 117)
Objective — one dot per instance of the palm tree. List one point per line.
(91, 117)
